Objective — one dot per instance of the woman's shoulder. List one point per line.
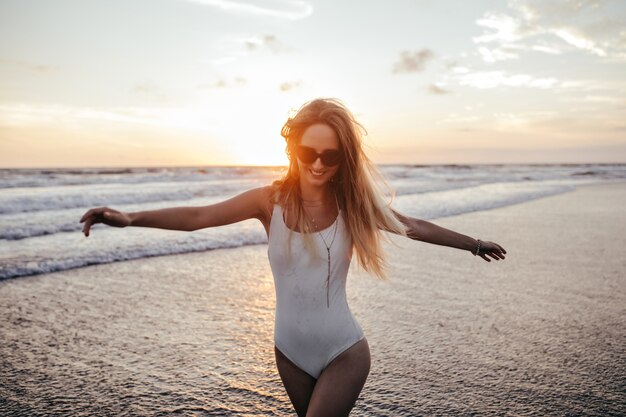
(267, 198)
(269, 194)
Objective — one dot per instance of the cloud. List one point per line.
(222, 83)
(578, 39)
(28, 66)
(29, 114)
(499, 120)
(413, 62)
(594, 86)
(151, 91)
(454, 118)
(494, 79)
(268, 42)
(500, 27)
(496, 54)
(32, 115)
(553, 50)
(222, 60)
(235, 48)
(146, 88)
(460, 69)
(287, 86)
(437, 90)
(619, 100)
(553, 27)
(284, 9)
(595, 90)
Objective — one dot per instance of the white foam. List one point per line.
(40, 232)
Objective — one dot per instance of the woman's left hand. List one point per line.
(491, 249)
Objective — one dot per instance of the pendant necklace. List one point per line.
(327, 250)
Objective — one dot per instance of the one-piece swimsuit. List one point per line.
(313, 323)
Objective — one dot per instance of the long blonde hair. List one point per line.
(357, 185)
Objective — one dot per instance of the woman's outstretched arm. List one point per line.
(247, 205)
(424, 231)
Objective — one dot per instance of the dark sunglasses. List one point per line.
(308, 155)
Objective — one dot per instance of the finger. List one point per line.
(86, 227)
(94, 212)
(485, 258)
(82, 219)
(494, 256)
(502, 249)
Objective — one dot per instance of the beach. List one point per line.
(540, 333)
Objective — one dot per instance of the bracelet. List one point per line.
(478, 248)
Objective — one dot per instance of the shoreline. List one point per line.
(538, 333)
(435, 219)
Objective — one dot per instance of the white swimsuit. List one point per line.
(311, 330)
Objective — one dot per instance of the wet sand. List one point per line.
(540, 333)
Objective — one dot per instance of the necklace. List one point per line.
(327, 250)
(313, 203)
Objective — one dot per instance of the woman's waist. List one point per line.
(311, 296)
(322, 322)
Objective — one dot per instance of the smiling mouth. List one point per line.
(317, 173)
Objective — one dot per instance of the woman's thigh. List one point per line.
(299, 384)
(341, 382)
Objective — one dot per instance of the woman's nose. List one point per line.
(317, 164)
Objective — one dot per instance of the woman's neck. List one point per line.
(312, 194)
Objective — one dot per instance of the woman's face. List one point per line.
(321, 138)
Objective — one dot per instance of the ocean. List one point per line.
(40, 208)
(540, 333)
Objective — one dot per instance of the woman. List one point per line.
(325, 207)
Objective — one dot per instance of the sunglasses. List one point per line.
(309, 155)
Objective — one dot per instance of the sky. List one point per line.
(86, 83)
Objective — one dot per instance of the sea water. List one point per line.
(40, 208)
(193, 336)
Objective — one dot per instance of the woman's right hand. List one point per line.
(106, 216)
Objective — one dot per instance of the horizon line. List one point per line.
(285, 166)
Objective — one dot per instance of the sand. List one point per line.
(542, 332)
